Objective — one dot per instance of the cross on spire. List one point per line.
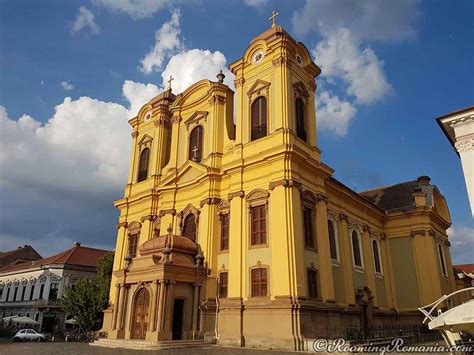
(272, 17)
(169, 82)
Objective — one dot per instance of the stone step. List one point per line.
(149, 345)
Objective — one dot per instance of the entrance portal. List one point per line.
(178, 309)
(140, 314)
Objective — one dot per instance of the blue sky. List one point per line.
(72, 72)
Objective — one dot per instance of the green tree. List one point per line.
(89, 297)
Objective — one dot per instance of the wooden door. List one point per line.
(140, 314)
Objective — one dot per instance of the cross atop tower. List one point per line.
(272, 17)
(169, 82)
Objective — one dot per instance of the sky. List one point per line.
(73, 72)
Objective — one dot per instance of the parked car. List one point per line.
(28, 335)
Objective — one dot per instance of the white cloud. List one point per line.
(193, 65)
(167, 43)
(366, 19)
(85, 20)
(334, 114)
(256, 3)
(138, 94)
(341, 56)
(185, 65)
(82, 148)
(462, 243)
(137, 9)
(67, 85)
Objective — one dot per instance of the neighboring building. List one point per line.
(238, 232)
(18, 255)
(468, 269)
(33, 289)
(458, 126)
(464, 275)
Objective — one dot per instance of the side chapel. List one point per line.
(231, 227)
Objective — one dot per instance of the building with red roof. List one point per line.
(34, 288)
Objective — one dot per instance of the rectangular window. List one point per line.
(132, 245)
(313, 283)
(41, 291)
(225, 231)
(53, 291)
(258, 225)
(23, 293)
(308, 227)
(259, 282)
(223, 282)
(32, 291)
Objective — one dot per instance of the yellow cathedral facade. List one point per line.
(233, 230)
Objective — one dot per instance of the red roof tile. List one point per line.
(77, 255)
(467, 268)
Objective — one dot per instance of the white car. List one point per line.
(28, 334)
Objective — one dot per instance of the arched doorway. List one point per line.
(140, 314)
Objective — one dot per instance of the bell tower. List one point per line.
(275, 84)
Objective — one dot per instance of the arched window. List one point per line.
(189, 227)
(376, 251)
(195, 144)
(442, 260)
(258, 124)
(143, 165)
(356, 249)
(332, 240)
(300, 119)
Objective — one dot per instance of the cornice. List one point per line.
(240, 194)
(464, 145)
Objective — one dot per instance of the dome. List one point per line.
(175, 243)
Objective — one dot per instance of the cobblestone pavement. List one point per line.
(61, 348)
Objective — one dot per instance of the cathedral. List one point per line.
(233, 230)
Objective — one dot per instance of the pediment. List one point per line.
(301, 90)
(187, 173)
(258, 87)
(196, 117)
(145, 140)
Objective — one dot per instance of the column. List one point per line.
(61, 287)
(152, 325)
(322, 236)
(46, 288)
(346, 260)
(169, 306)
(120, 307)
(161, 300)
(195, 308)
(116, 305)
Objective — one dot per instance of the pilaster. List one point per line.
(322, 233)
(346, 259)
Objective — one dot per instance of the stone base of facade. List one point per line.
(282, 324)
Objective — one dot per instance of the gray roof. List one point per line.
(399, 196)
